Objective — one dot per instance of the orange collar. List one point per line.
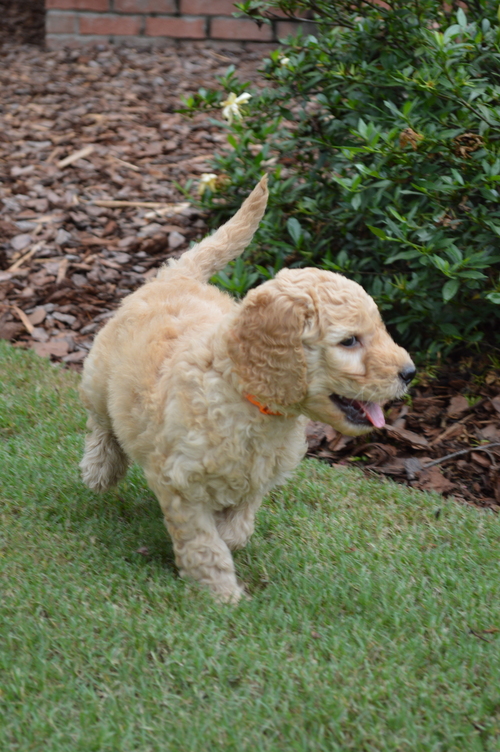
(263, 408)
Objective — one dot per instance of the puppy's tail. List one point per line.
(228, 242)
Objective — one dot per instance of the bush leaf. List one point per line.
(450, 289)
(294, 228)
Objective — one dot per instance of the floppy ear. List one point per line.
(265, 344)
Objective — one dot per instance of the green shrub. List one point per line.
(382, 138)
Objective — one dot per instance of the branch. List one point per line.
(483, 448)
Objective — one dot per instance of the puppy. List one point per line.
(211, 396)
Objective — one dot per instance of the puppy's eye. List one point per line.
(349, 342)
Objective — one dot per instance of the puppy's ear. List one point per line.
(265, 344)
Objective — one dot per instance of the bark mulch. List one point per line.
(91, 150)
(91, 153)
(22, 21)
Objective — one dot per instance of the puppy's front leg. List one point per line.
(200, 552)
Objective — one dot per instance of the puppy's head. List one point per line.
(314, 342)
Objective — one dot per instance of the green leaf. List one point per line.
(356, 201)
(455, 254)
(451, 330)
(470, 274)
(441, 264)
(450, 289)
(461, 18)
(404, 255)
(392, 108)
(362, 127)
(397, 215)
(294, 228)
(494, 297)
(378, 232)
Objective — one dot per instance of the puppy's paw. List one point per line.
(231, 596)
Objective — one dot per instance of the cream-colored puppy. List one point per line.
(210, 396)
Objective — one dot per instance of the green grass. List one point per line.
(357, 635)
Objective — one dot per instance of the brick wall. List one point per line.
(153, 22)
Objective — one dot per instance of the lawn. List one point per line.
(373, 622)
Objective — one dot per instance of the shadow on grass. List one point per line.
(125, 522)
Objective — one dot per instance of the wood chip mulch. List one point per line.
(91, 151)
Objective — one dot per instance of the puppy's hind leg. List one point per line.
(104, 463)
(236, 524)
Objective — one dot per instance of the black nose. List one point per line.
(408, 374)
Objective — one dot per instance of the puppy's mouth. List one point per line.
(358, 412)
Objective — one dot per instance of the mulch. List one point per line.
(92, 154)
(23, 21)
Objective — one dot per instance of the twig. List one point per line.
(53, 154)
(164, 208)
(477, 726)
(111, 204)
(110, 264)
(483, 448)
(23, 318)
(480, 637)
(20, 261)
(75, 156)
(178, 208)
(122, 163)
(47, 218)
(61, 272)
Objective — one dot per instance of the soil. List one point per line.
(92, 154)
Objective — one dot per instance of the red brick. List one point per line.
(285, 29)
(60, 23)
(145, 6)
(239, 28)
(122, 25)
(182, 28)
(207, 7)
(77, 4)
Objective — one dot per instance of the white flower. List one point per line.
(230, 106)
(207, 180)
(284, 60)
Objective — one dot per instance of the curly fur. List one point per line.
(165, 385)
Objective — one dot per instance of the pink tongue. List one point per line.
(374, 413)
